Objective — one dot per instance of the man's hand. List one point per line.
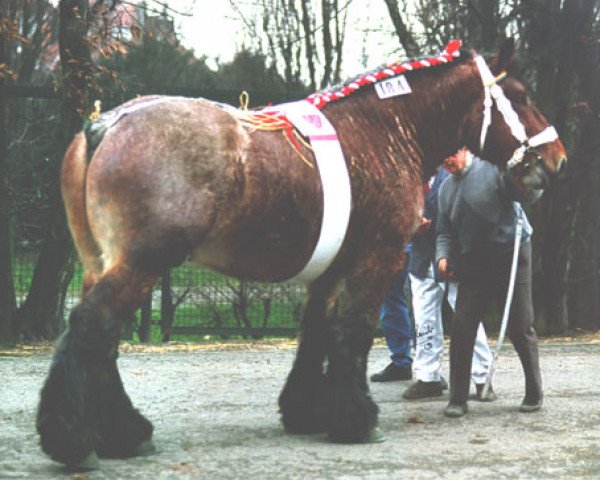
(424, 225)
(444, 268)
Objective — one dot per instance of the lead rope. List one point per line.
(507, 304)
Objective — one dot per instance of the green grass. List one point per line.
(188, 272)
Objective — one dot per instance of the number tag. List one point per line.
(392, 87)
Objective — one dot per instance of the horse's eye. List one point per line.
(520, 98)
(526, 164)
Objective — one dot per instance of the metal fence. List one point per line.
(201, 302)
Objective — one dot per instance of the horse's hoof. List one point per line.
(145, 448)
(88, 463)
(304, 426)
(375, 435)
(308, 430)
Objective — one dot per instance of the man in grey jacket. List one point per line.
(427, 297)
(476, 228)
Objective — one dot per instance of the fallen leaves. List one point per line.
(479, 440)
(415, 419)
(184, 467)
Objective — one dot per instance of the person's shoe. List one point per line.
(531, 404)
(421, 389)
(443, 383)
(490, 396)
(455, 410)
(392, 373)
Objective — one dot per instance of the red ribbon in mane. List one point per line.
(320, 99)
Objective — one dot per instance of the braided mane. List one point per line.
(337, 92)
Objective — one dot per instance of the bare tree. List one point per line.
(562, 42)
(576, 93)
(405, 36)
(41, 313)
(303, 39)
(7, 293)
(308, 25)
(86, 31)
(25, 31)
(560, 59)
(38, 25)
(168, 306)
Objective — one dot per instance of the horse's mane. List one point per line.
(451, 54)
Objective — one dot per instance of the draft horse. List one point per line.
(186, 179)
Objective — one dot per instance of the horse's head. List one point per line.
(510, 131)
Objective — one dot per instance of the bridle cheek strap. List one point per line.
(488, 80)
(493, 93)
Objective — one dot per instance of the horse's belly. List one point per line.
(264, 274)
(260, 260)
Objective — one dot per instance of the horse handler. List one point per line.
(476, 231)
(427, 298)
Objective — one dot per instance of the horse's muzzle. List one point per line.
(553, 176)
(561, 167)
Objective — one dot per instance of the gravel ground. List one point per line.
(214, 409)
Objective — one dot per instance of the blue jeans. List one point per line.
(395, 322)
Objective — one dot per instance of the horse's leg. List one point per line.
(303, 401)
(123, 430)
(123, 425)
(84, 408)
(353, 413)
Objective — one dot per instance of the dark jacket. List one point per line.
(423, 243)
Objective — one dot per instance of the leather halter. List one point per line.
(494, 94)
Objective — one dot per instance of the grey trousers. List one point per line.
(483, 279)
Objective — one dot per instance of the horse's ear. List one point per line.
(500, 62)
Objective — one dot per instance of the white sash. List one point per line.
(335, 183)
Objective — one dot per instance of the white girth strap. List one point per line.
(493, 93)
(335, 183)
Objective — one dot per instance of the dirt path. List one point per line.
(215, 415)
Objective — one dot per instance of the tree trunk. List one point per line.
(485, 14)
(555, 35)
(8, 304)
(584, 281)
(146, 320)
(584, 274)
(309, 43)
(404, 35)
(340, 34)
(327, 42)
(41, 314)
(267, 303)
(167, 310)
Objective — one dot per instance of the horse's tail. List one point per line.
(73, 183)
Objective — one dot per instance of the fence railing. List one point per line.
(196, 302)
